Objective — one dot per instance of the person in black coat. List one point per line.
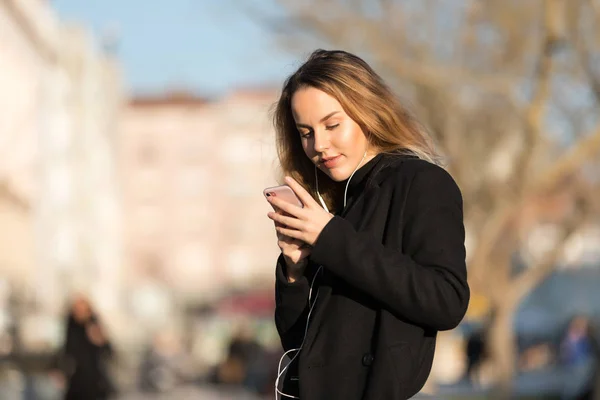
(85, 354)
(373, 265)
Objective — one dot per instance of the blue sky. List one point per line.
(203, 46)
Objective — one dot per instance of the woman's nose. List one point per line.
(321, 142)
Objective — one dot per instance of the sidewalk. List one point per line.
(192, 392)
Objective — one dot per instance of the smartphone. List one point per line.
(283, 192)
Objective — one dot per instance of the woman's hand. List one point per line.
(295, 253)
(301, 224)
(95, 334)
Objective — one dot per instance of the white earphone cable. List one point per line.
(324, 205)
(281, 371)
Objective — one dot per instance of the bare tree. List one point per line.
(509, 91)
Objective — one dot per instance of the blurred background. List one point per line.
(135, 141)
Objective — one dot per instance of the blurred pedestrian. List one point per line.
(373, 264)
(475, 352)
(579, 354)
(85, 354)
(159, 370)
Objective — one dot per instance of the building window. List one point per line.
(193, 219)
(147, 153)
(238, 150)
(193, 266)
(65, 245)
(239, 264)
(60, 184)
(149, 221)
(147, 183)
(240, 187)
(195, 148)
(193, 181)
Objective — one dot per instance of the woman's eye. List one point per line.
(306, 135)
(331, 127)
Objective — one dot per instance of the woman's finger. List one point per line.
(302, 194)
(288, 241)
(287, 246)
(293, 233)
(283, 221)
(285, 207)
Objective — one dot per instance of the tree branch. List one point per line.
(387, 52)
(529, 279)
(586, 148)
(9, 194)
(583, 53)
(499, 221)
(535, 113)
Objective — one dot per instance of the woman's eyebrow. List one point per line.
(325, 118)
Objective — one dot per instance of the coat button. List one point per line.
(367, 359)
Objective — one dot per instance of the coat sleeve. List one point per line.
(291, 307)
(426, 282)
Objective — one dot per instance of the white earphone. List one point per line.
(279, 370)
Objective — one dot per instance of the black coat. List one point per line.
(393, 275)
(86, 364)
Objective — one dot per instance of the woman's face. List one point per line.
(81, 309)
(331, 139)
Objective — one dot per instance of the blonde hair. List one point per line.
(387, 124)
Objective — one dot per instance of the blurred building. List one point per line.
(193, 172)
(59, 110)
(78, 211)
(25, 51)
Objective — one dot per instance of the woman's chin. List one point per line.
(336, 175)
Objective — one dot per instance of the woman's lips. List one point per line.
(331, 162)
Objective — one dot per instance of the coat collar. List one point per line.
(360, 176)
(365, 174)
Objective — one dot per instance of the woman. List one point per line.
(579, 353)
(385, 269)
(86, 352)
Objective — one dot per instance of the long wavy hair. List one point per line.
(388, 126)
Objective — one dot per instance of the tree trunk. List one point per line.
(502, 348)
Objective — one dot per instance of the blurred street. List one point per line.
(193, 392)
(44, 391)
